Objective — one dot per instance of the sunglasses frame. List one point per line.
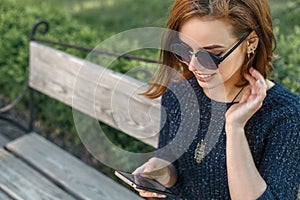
(216, 59)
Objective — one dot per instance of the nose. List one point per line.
(194, 64)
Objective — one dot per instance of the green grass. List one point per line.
(112, 16)
(120, 15)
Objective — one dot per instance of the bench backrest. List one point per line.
(116, 100)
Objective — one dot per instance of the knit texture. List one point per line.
(273, 135)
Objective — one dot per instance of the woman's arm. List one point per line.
(244, 180)
(278, 175)
(279, 163)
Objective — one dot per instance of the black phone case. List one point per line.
(136, 185)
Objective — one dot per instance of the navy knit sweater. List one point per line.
(273, 135)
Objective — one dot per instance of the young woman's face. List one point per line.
(214, 36)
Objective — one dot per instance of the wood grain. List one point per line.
(21, 182)
(67, 171)
(4, 196)
(3, 140)
(108, 96)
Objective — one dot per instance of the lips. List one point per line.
(203, 77)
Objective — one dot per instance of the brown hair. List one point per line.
(244, 16)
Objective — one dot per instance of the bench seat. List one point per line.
(66, 171)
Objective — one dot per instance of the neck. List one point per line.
(223, 94)
(224, 89)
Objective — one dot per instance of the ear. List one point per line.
(252, 42)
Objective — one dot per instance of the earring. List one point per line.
(251, 51)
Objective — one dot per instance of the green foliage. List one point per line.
(17, 18)
(287, 66)
(117, 16)
(286, 18)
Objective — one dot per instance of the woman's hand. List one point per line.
(252, 99)
(160, 170)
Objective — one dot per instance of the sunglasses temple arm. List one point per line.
(233, 48)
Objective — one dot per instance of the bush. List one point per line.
(286, 17)
(287, 66)
(16, 21)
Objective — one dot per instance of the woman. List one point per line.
(224, 50)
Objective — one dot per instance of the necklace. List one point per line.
(200, 149)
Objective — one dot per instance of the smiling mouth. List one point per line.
(203, 75)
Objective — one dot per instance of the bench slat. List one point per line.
(108, 96)
(17, 178)
(3, 140)
(63, 168)
(4, 196)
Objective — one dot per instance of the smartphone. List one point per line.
(143, 183)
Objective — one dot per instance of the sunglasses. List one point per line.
(207, 59)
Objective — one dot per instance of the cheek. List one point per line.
(232, 64)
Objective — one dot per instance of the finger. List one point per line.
(246, 95)
(256, 80)
(256, 96)
(144, 193)
(146, 168)
(250, 79)
(149, 168)
(261, 89)
(139, 170)
(258, 76)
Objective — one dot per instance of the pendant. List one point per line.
(200, 152)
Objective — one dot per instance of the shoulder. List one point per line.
(280, 110)
(282, 101)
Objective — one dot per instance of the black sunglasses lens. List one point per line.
(181, 52)
(206, 60)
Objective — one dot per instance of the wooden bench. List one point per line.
(76, 82)
(33, 168)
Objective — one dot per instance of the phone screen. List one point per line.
(144, 183)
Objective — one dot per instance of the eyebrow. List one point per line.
(211, 47)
